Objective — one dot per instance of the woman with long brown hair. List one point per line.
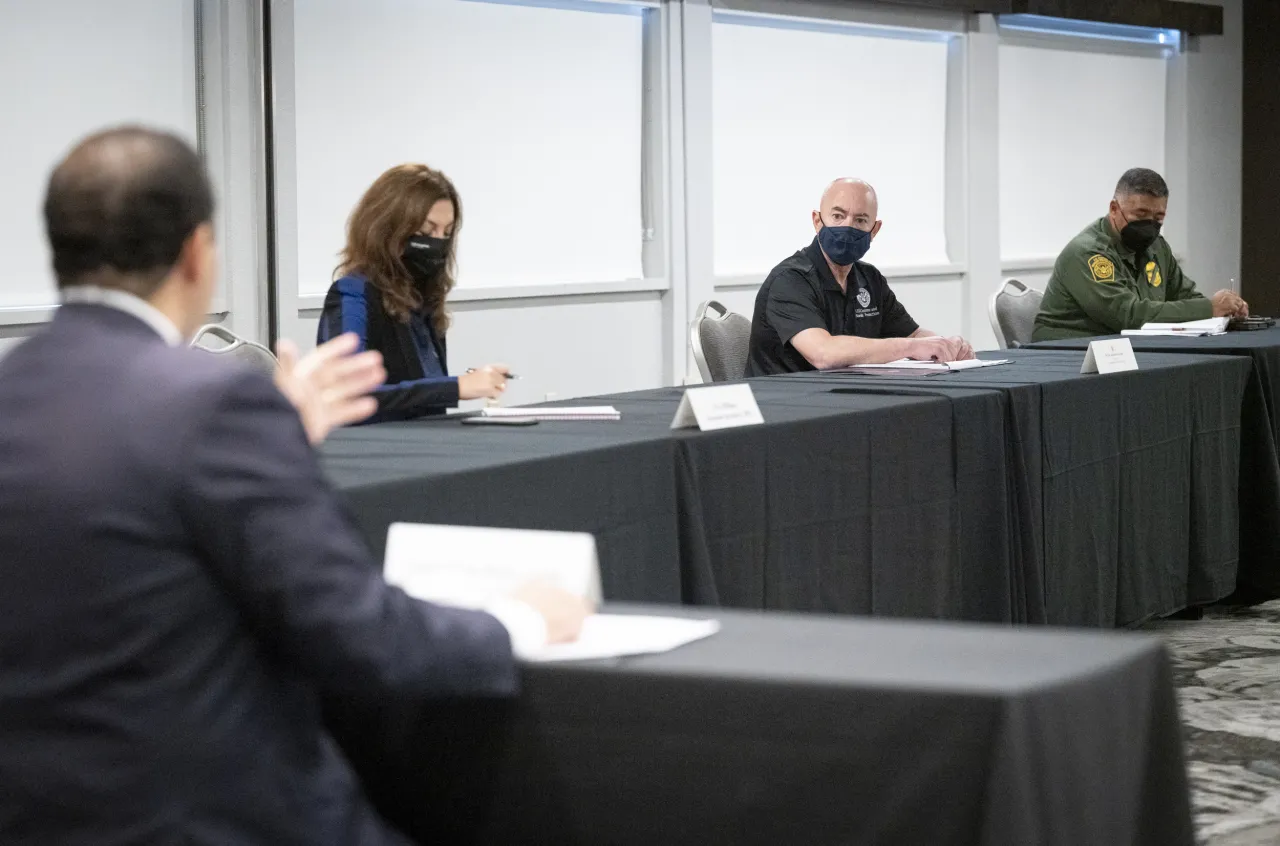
(394, 276)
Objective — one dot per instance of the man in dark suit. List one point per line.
(179, 585)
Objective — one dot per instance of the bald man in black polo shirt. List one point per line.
(824, 308)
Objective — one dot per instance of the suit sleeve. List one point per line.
(271, 531)
(346, 309)
(1113, 305)
(415, 398)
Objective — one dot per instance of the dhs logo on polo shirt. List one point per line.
(864, 297)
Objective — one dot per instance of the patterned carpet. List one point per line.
(1227, 668)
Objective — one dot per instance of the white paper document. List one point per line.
(472, 566)
(619, 635)
(935, 366)
(563, 412)
(1193, 328)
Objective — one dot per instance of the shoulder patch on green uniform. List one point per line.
(1102, 269)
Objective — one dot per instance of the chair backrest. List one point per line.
(1013, 311)
(250, 352)
(719, 339)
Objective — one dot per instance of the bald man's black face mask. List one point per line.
(843, 244)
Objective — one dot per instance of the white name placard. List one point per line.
(717, 407)
(1109, 357)
(469, 566)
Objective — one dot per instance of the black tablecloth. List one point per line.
(1260, 443)
(603, 478)
(892, 505)
(1128, 482)
(801, 729)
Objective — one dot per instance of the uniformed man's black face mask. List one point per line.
(1137, 235)
(425, 257)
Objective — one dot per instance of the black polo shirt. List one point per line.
(802, 294)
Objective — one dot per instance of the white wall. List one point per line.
(575, 337)
(76, 66)
(1202, 160)
(71, 67)
(82, 65)
(1214, 126)
(539, 124)
(779, 138)
(579, 352)
(1060, 152)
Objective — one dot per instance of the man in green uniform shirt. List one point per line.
(1119, 273)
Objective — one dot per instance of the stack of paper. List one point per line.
(1193, 328)
(933, 366)
(472, 566)
(563, 412)
(620, 635)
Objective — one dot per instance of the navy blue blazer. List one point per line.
(416, 357)
(178, 590)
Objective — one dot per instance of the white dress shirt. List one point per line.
(128, 303)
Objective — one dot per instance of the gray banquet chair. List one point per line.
(1013, 312)
(719, 338)
(250, 352)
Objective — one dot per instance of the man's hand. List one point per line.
(1228, 304)
(329, 386)
(563, 612)
(486, 383)
(963, 349)
(935, 348)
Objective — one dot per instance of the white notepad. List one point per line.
(1192, 328)
(564, 412)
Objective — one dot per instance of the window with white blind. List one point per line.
(534, 112)
(1063, 141)
(72, 67)
(796, 106)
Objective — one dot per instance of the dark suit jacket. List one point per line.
(178, 588)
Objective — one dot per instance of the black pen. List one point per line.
(509, 375)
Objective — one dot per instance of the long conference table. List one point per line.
(1260, 442)
(807, 729)
(1018, 493)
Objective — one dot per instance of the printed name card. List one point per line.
(718, 407)
(1109, 357)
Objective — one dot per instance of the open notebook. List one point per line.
(563, 412)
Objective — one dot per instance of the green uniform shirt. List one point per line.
(1100, 287)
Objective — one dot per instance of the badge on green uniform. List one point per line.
(1102, 269)
(1153, 275)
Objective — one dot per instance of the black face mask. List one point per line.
(425, 257)
(1137, 235)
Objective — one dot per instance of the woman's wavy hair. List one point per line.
(388, 214)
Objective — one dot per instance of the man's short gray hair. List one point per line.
(1143, 182)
